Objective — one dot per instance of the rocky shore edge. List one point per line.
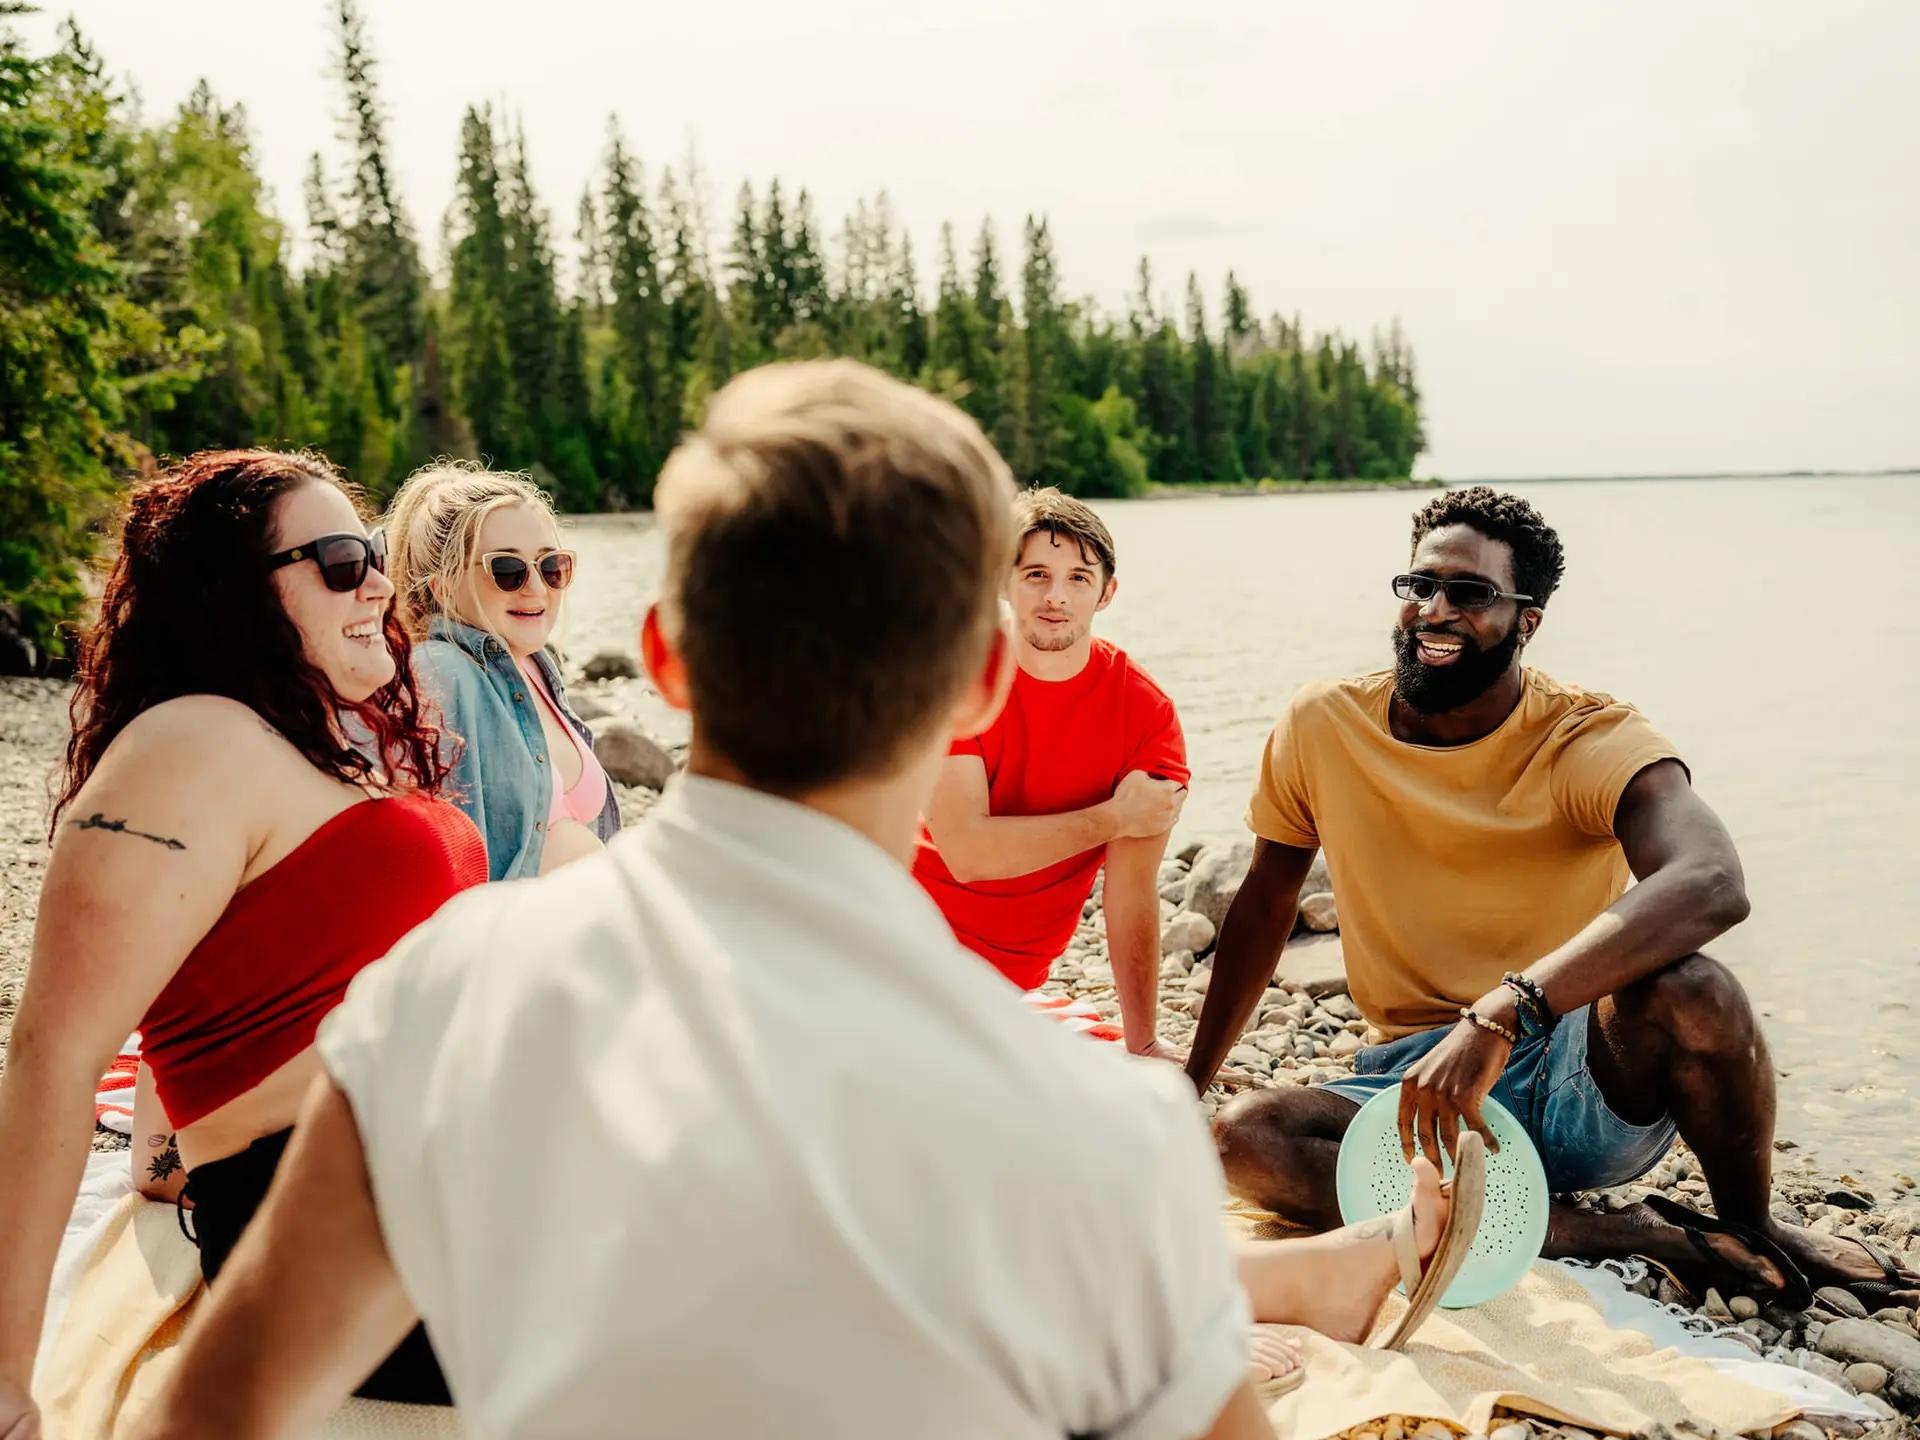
(1305, 1030)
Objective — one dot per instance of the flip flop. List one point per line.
(1424, 1288)
(1886, 1291)
(1795, 1294)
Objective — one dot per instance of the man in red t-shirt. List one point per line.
(1085, 766)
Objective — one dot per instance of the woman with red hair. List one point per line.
(248, 819)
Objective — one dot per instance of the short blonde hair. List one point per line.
(433, 533)
(836, 545)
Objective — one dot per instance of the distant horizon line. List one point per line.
(1673, 475)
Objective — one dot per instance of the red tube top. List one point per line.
(251, 995)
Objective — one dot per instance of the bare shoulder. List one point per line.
(206, 745)
(188, 722)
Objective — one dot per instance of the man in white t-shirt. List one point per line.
(717, 1133)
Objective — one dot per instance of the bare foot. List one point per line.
(1334, 1283)
(1270, 1354)
(1738, 1272)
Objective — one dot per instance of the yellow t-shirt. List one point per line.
(1453, 864)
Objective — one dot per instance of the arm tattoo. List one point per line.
(97, 821)
(166, 1163)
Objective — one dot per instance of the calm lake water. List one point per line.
(1768, 627)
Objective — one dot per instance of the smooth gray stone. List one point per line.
(1855, 1342)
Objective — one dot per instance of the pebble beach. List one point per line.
(1305, 1030)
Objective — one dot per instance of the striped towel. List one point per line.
(1077, 1015)
(113, 1096)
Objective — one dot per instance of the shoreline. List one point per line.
(1274, 487)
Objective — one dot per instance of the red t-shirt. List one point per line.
(1059, 745)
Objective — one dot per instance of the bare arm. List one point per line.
(1133, 934)
(1251, 938)
(144, 863)
(1691, 891)
(306, 1307)
(976, 844)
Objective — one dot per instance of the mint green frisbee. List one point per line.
(1372, 1179)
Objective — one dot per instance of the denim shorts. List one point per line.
(1551, 1092)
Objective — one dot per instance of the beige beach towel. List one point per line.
(118, 1337)
(1542, 1348)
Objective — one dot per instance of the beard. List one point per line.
(1047, 638)
(1435, 689)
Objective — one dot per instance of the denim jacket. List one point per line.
(502, 778)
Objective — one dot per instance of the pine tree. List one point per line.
(1214, 454)
(990, 312)
(480, 361)
(1141, 321)
(1299, 448)
(531, 303)
(640, 436)
(746, 286)
(1037, 436)
(773, 280)
(590, 282)
(807, 268)
(381, 263)
(909, 321)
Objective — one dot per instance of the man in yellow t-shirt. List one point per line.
(1481, 822)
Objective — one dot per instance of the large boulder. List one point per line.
(611, 665)
(18, 654)
(1186, 931)
(1315, 964)
(1218, 870)
(1319, 914)
(1215, 879)
(630, 755)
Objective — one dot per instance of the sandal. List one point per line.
(1425, 1287)
(1796, 1294)
(1888, 1291)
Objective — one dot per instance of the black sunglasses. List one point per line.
(1461, 594)
(343, 559)
(510, 571)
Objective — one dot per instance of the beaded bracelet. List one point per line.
(1468, 1013)
(1532, 999)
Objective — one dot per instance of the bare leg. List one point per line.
(1686, 1041)
(1334, 1283)
(1683, 1041)
(1278, 1148)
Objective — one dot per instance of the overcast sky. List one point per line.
(1631, 236)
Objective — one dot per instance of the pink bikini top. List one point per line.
(588, 796)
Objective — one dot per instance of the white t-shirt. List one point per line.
(720, 1134)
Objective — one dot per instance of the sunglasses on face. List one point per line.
(510, 571)
(1461, 594)
(343, 559)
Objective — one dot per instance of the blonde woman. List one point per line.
(476, 559)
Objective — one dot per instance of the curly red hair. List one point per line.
(189, 609)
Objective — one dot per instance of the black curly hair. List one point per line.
(1538, 561)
